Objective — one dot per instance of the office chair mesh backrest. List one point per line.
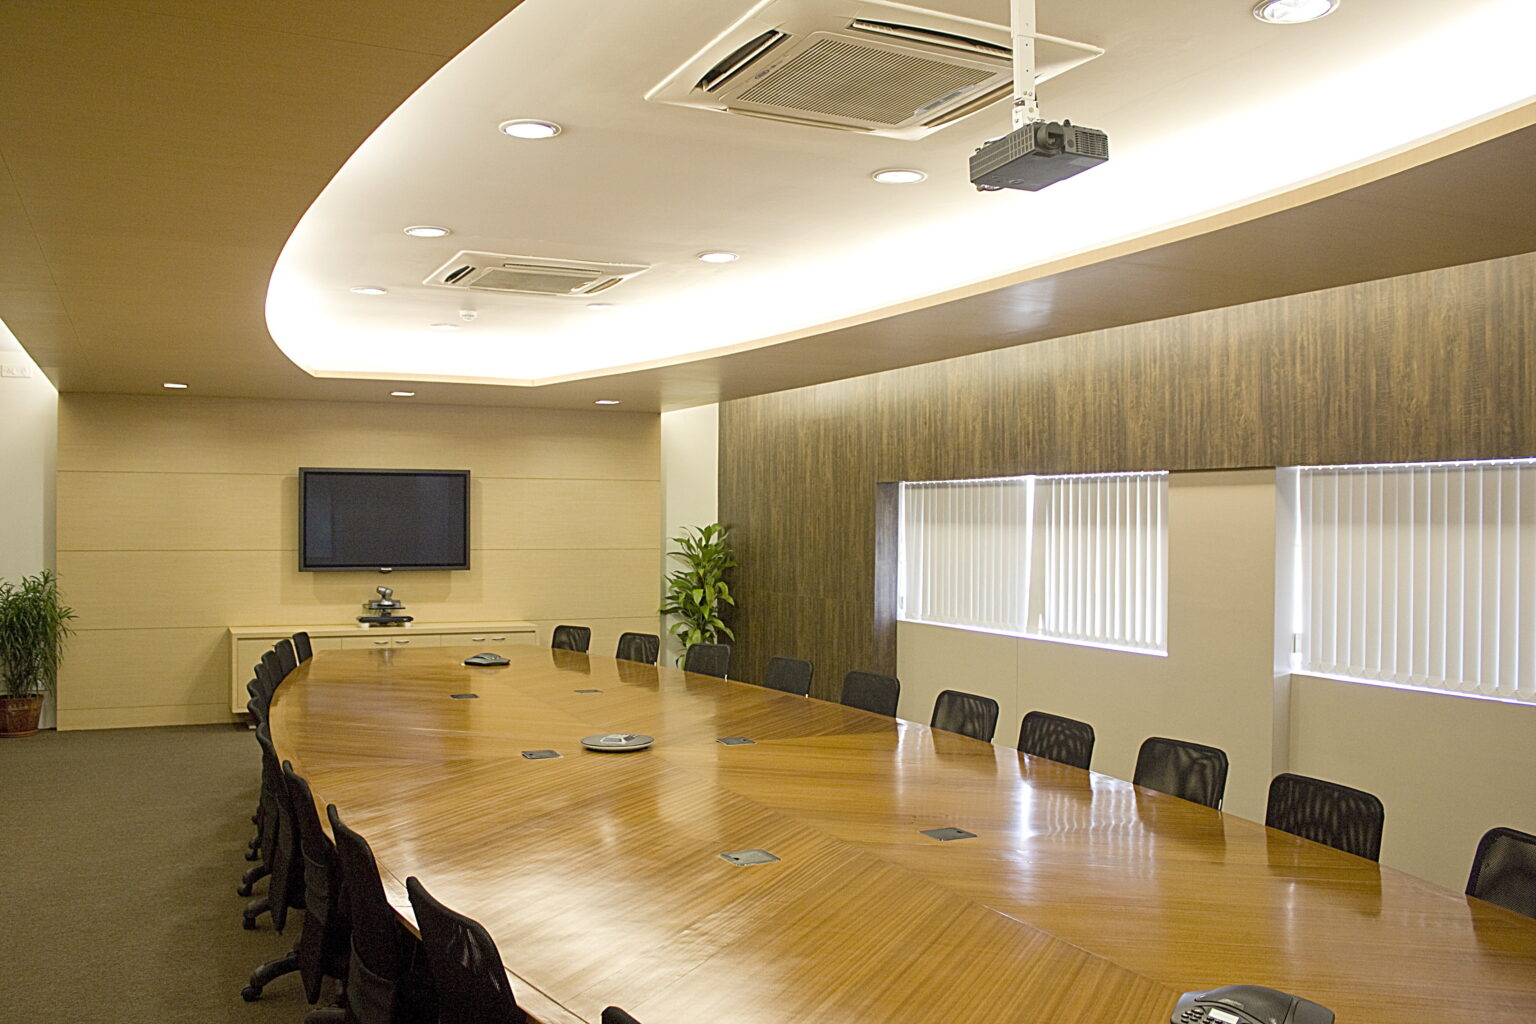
(1059, 739)
(614, 1015)
(323, 941)
(708, 659)
(969, 714)
(273, 665)
(571, 638)
(381, 948)
(280, 846)
(641, 647)
(287, 660)
(1179, 768)
(791, 675)
(1325, 812)
(1504, 870)
(467, 971)
(870, 691)
(302, 648)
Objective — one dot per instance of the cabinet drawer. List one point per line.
(487, 636)
(373, 642)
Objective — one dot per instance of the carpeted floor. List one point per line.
(119, 856)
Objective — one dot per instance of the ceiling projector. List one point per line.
(1037, 154)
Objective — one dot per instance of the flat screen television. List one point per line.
(389, 519)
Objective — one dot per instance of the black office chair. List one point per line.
(571, 638)
(280, 857)
(286, 658)
(325, 937)
(614, 1015)
(969, 714)
(1192, 771)
(708, 659)
(285, 890)
(1504, 870)
(870, 691)
(382, 988)
(1058, 739)
(791, 675)
(302, 648)
(263, 843)
(1326, 812)
(641, 647)
(467, 972)
(270, 673)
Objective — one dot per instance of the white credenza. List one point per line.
(248, 643)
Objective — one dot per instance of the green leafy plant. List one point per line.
(33, 627)
(696, 592)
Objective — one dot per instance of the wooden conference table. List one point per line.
(1081, 898)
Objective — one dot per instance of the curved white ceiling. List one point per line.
(1206, 109)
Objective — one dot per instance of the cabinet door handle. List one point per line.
(498, 638)
(381, 643)
(479, 639)
(402, 641)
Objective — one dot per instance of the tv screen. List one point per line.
(383, 519)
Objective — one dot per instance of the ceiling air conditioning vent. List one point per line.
(858, 65)
(932, 38)
(529, 275)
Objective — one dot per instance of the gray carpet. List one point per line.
(119, 856)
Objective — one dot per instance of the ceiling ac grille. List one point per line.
(529, 275)
(878, 66)
(844, 78)
(932, 37)
(740, 59)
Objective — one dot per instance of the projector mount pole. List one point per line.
(1026, 108)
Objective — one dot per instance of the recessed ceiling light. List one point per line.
(370, 289)
(444, 327)
(719, 257)
(402, 394)
(174, 386)
(1292, 12)
(898, 176)
(528, 128)
(427, 231)
(599, 305)
(606, 401)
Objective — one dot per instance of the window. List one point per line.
(1081, 559)
(1420, 575)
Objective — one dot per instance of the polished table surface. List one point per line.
(1081, 899)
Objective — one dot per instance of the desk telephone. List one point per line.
(1247, 1004)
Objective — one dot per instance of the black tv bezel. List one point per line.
(304, 473)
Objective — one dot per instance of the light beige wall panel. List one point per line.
(184, 433)
(160, 589)
(107, 669)
(1447, 768)
(518, 513)
(931, 659)
(1215, 685)
(177, 511)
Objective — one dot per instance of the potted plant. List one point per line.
(33, 626)
(696, 592)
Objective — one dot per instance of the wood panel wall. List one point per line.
(178, 517)
(1437, 365)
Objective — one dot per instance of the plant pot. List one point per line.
(19, 715)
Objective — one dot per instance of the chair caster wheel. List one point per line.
(248, 923)
(243, 890)
(250, 993)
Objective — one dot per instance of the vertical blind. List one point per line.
(1080, 558)
(965, 553)
(1105, 545)
(1423, 575)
